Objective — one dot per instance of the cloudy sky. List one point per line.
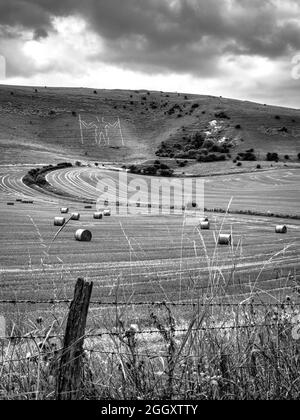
(246, 49)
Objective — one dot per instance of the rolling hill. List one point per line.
(42, 125)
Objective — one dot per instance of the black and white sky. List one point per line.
(246, 49)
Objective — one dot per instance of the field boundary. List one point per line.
(143, 303)
(67, 355)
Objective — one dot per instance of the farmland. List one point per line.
(148, 257)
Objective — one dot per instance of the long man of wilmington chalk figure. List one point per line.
(103, 131)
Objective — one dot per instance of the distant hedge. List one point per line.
(37, 176)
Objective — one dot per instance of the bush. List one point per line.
(197, 140)
(164, 166)
(258, 167)
(211, 158)
(208, 144)
(167, 172)
(218, 148)
(239, 164)
(133, 169)
(222, 115)
(298, 156)
(248, 156)
(40, 180)
(192, 154)
(283, 130)
(150, 170)
(272, 157)
(238, 127)
(286, 157)
(36, 176)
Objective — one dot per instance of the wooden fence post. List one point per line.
(70, 371)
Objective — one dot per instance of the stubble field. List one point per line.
(145, 257)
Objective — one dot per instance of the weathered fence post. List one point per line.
(70, 372)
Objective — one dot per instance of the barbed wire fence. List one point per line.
(72, 351)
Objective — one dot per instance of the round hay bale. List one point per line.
(75, 216)
(88, 207)
(59, 221)
(64, 210)
(281, 229)
(83, 235)
(98, 215)
(10, 204)
(204, 225)
(107, 213)
(225, 239)
(19, 200)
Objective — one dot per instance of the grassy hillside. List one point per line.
(41, 125)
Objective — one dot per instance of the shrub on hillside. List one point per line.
(211, 158)
(208, 144)
(222, 115)
(164, 166)
(248, 156)
(166, 172)
(220, 148)
(197, 140)
(283, 130)
(272, 157)
(40, 180)
(150, 170)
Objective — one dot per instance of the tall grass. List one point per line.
(238, 353)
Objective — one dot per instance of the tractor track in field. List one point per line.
(157, 251)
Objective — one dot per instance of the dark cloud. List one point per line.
(183, 36)
(40, 33)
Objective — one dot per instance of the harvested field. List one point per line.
(148, 257)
